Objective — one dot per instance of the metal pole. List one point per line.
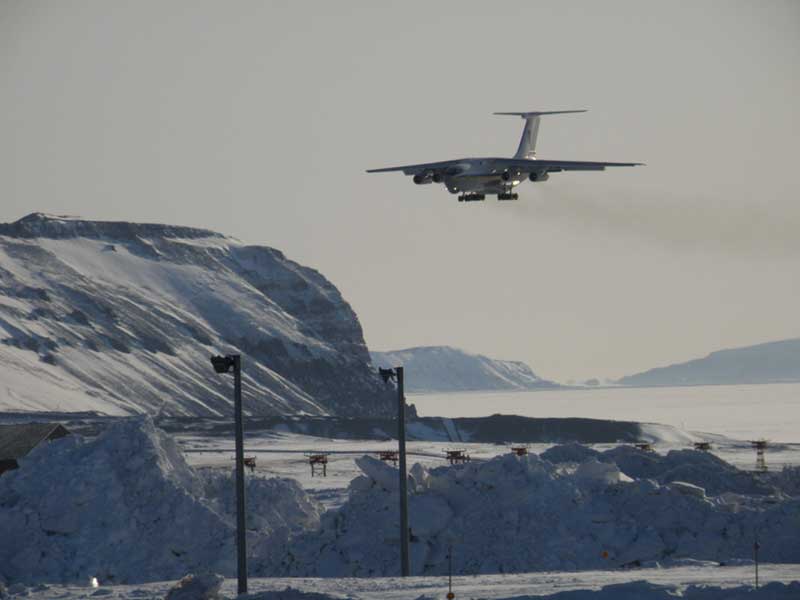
(241, 541)
(401, 438)
(450, 571)
(755, 552)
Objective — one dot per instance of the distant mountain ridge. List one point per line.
(122, 317)
(770, 362)
(446, 369)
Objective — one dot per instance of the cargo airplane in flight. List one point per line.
(474, 178)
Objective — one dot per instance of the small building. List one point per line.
(18, 439)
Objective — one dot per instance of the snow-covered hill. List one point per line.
(446, 369)
(122, 318)
(771, 362)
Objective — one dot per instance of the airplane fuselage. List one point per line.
(485, 175)
(482, 175)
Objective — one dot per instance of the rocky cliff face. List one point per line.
(122, 318)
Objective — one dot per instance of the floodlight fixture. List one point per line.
(222, 364)
(387, 374)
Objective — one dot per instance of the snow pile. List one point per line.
(569, 453)
(277, 507)
(519, 514)
(700, 468)
(703, 469)
(205, 586)
(125, 507)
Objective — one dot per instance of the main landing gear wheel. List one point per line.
(507, 196)
(471, 197)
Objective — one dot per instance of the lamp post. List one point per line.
(223, 364)
(401, 439)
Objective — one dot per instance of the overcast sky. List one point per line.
(258, 119)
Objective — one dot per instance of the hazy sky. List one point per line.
(257, 119)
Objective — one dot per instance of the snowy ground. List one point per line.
(283, 455)
(494, 587)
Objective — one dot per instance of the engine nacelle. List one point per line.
(510, 175)
(423, 178)
(538, 176)
(438, 178)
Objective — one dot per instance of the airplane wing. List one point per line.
(455, 167)
(445, 167)
(554, 166)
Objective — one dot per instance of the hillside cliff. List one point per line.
(771, 362)
(446, 369)
(122, 318)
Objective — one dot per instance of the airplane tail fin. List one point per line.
(527, 144)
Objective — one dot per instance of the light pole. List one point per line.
(401, 439)
(223, 364)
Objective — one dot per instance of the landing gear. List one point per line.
(507, 196)
(471, 197)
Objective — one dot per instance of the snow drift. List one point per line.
(519, 514)
(126, 507)
(643, 590)
(635, 590)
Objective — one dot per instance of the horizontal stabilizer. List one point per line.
(536, 113)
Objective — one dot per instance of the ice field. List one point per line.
(736, 411)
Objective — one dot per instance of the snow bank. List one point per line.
(643, 590)
(125, 507)
(569, 453)
(205, 586)
(291, 593)
(519, 514)
(703, 469)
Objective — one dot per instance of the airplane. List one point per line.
(474, 178)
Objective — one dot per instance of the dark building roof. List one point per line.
(20, 438)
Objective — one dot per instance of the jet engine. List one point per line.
(423, 178)
(538, 176)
